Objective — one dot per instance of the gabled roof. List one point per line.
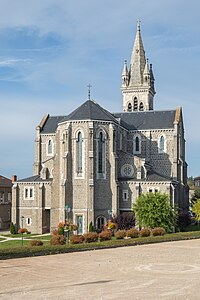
(147, 119)
(90, 110)
(35, 178)
(5, 182)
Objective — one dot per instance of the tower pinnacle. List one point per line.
(138, 82)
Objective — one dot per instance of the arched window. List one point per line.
(101, 154)
(135, 103)
(141, 106)
(80, 153)
(162, 144)
(50, 147)
(137, 144)
(100, 222)
(129, 107)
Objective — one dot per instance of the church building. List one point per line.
(93, 164)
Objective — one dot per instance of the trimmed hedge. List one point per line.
(25, 251)
(105, 235)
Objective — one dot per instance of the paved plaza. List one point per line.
(158, 271)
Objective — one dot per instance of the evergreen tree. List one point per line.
(154, 210)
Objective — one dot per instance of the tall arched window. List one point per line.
(137, 144)
(80, 153)
(162, 144)
(141, 106)
(50, 147)
(101, 154)
(135, 103)
(129, 107)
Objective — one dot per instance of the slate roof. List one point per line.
(35, 178)
(5, 182)
(151, 176)
(147, 119)
(51, 124)
(90, 110)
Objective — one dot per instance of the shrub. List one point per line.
(35, 243)
(125, 220)
(61, 230)
(158, 231)
(144, 232)
(91, 237)
(105, 235)
(184, 218)
(91, 227)
(132, 233)
(12, 228)
(58, 240)
(76, 239)
(112, 225)
(22, 230)
(120, 234)
(154, 210)
(55, 232)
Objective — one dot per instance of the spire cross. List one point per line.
(89, 90)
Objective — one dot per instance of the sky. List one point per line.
(50, 50)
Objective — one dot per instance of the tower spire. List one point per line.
(138, 82)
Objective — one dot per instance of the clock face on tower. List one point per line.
(127, 170)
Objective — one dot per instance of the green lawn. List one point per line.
(14, 249)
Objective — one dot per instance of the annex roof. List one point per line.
(147, 119)
(35, 178)
(51, 124)
(5, 182)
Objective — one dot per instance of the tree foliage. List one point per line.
(154, 210)
(197, 193)
(196, 209)
(124, 220)
(190, 181)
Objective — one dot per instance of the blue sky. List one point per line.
(51, 49)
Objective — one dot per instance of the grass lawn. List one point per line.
(43, 238)
(2, 239)
(14, 249)
(17, 244)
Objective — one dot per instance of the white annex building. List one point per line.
(92, 163)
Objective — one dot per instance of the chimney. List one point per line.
(14, 178)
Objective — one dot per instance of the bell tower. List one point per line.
(138, 81)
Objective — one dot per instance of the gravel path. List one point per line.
(157, 271)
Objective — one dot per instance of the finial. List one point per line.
(125, 62)
(138, 24)
(89, 89)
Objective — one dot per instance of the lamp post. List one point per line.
(109, 213)
(22, 220)
(67, 211)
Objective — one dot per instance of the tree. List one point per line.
(125, 220)
(91, 227)
(190, 181)
(196, 210)
(197, 193)
(154, 210)
(12, 228)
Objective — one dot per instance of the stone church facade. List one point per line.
(92, 164)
